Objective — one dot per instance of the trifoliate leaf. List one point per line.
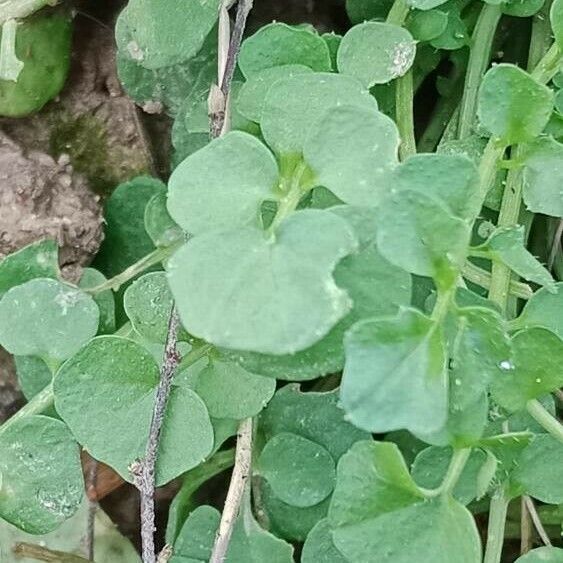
(451, 179)
(242, 290)
(419, 234)
(161, 228)
(540, 469)
(229, 391)
(543, 309)
(114, 381)
(222, 186)
(352, 151)
(279, 44)
(294, 107)
(513, 107)
(456, 34)
(46, 318)
(395, 374)
(535, 370)
(543, 176)
(42, 482)
(36, 260)
(425, 26)
(43, 46)
(376, 52)
(103, 299)
(250, 101)
(507, 245)
(157, 34)
(300, 472)
(319, 547)
(430, 467)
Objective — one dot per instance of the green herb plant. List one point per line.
(370, 298)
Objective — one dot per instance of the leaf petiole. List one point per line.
(495, 530)
(41, 402)
(455, 468)
(545, 419)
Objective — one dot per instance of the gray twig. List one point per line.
(536, 520)
(239, 478)
(143, 470)
(91, 479)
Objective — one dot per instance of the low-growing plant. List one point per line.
(370, 318)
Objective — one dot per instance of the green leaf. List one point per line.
(372, 479)
(543, 177)
(126, 240)
(300, 472)
(36, 260)
(395, 374)
(418, 233)
(157, 34)
(376, 52)
(103, 299)
(362, 10)
(556, 19)
(315, 416)
(546, 554)
(148, 303)
(425, 26)
(223, 185)
(166, 87)
(230, 391)
(450, 179)
(512, 106)
(250, 101)
(279, 44)
(332, 41)
(544, 309)
(161, 228)
(456, 34)
(280, 298)
(33, 375)
(295, 106)
(430, 467)
(440, 530)
(375, 286)
(319, 547)
(522, 8)
(479, 348)
(352, 151)
(425, 4)
(43, 46)
(535, 370)
(41, 474)
(114, 381)
(249, 543)
(506, 244)
(46, 318)
(540, 469)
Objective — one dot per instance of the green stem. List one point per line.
(18, 9)
(488, 166)
(545, 419)
(482, 278)
(457, 464)
(495, 530)
(41, 402)
(442, 304)
(193, 356)
(548, 66)
(155, 257)
(404, 115)
(479, 58)
(398, 12)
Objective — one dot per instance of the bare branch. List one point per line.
(40, 553)
(239, 478)
(526, 530)
(91, 479)
(143, 471)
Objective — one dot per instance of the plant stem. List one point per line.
(404, 115)
(479, 58)
(18, 9)
(42, 401)
(237, 486)
(143, 471)
(545, 419)
(457, 463)
(548, 66)
(398, 12)
(156, 256)
(481, 277)
(488, 166)
(531, 507)
(40, 553)
(495, 530)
